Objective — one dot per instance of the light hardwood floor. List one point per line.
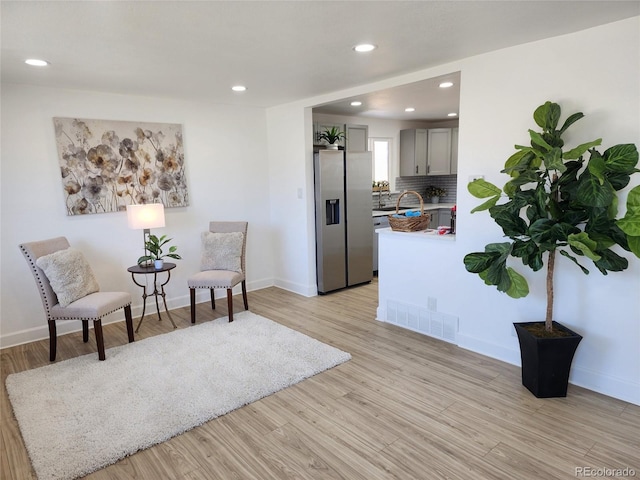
(405, 407)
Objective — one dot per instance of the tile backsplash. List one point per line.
(419, 184)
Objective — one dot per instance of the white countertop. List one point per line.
(427, 206)
(428, 233)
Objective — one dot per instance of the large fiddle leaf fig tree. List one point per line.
(558, 201)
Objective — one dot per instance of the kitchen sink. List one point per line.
(393, 209)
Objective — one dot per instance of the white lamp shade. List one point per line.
(150, 215)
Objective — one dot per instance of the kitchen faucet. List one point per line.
(380, 202)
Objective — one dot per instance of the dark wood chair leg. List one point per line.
(53, 341)
(213, 298)
(97, 326)
(244, 295)
(192, 302)
(230, 303)
(85, 331)
(129, 321)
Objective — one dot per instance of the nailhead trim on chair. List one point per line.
(49, 297)
(40, 285)
(44, 296)
(209, 286)
(90, 318)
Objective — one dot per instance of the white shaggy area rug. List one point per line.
(80, 415)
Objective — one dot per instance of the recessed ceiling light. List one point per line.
(446, 84)
(34, 62)
(239, 88)
(409, 109)
(364, 47)
(356, 104)
(452, 114)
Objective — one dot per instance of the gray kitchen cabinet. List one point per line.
(413, 152)
(357, 138)
(434, 218)
(378, 224)
(444, 217)
(439, 151)
(454, 151)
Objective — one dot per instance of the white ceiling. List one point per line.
(429, 100)
(282, 51)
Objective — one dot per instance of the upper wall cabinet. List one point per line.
(357, 138)
(439, 151)
(413, 152)
(431, 151)
(454, 151)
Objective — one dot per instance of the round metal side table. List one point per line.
(158, 290)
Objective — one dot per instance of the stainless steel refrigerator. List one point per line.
(344, 243)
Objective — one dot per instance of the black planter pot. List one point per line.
(546, 362)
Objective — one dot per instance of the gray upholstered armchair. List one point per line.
(222, 265)
(69, 290)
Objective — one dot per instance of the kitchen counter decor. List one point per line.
(434, 193)
(382, 186)
(405, 223)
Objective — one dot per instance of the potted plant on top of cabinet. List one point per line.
(332, 136)
(556, 202)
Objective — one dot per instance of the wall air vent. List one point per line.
(435, 324)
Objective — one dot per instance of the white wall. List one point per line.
(291, 186)
(595, 71)
(227, 175)
(230, 174)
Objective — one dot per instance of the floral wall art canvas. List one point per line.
(107, 165)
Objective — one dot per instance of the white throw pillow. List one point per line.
(69, 274)
(222, 251)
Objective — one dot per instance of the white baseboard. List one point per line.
(499, 352)
(70, 326)
(605, 384)
(589, 379)
(203, 295)
(299, 288)
(63, 327)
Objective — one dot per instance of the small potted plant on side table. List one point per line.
(154, 246)
(434, 193)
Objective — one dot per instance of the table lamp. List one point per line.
(145, 217)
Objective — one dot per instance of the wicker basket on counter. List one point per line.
(409, 224)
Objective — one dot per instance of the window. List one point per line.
(381, 148)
